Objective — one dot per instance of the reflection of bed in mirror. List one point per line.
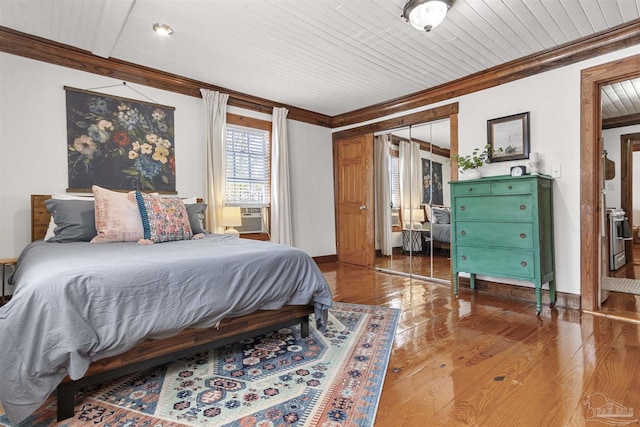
(438, 226)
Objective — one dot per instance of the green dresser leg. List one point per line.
(538, 298)
(455, 284)
(472, 279)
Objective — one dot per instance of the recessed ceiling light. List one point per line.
(162, 29)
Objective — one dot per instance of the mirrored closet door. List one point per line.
(412, 170)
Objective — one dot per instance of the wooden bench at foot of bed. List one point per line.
(151, 353)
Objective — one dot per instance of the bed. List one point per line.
(83, 313)
(439, 226)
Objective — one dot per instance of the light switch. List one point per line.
(556, 171)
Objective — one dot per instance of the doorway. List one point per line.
(593, 240)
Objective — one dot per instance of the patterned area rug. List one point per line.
(331, 378)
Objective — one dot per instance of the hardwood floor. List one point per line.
(625, 305)
(482, 360)
(419, 264)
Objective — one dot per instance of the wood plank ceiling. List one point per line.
(326, 56)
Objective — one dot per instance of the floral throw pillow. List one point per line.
(163, 219)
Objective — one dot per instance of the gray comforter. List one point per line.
(441, 232)
(75, 303)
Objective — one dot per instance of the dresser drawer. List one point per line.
(511, 187)
(517, 235)
(494, 208)
(473, 188)
(495, 261)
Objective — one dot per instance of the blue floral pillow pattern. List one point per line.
(163, 219)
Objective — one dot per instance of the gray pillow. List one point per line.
(442, 215)
(195, 212)
(75, 220)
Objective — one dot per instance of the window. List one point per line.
(248, 161)
(248, 146)
(394, 189)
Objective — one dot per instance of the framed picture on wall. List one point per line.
(432, 183)
(508, 137)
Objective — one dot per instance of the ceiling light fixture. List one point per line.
(162, 29)
(426, 14)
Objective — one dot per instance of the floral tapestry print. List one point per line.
(119, 143)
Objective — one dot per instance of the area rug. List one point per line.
(331, 378)
(620, 284)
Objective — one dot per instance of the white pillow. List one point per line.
(60, 196)
(50, 231)
(190, 200)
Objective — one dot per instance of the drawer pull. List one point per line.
(522, 207)
(463, 233)
(470, 189)
(523, 236)
(462, 208)
(509, 187)
(463, 257)
(523, 263)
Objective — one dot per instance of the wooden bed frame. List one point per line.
(151, 353)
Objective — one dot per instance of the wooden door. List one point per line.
(354, 200)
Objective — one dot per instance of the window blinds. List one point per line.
(247, 155)
(394, 181)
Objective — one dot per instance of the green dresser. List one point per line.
(502, 226)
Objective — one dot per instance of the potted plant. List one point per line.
(472, 162)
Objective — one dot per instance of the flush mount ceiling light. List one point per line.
(162, 29)
(426, 14)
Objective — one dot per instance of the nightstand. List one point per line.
(6, 262)
(411, 240)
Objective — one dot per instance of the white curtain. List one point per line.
(382, 192)
(216, 122)
(281, 230)
(410, 178)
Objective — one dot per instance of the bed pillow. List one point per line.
(51, 229)
(441, 215)
(163, 219)
(117, 216)
(52, 225)
(196, 211)
(74, 220)
(190, 200)
(427, 213)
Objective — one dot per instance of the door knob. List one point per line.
(363, 207)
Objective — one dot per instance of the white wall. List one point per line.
(33, 154)
(553, 100)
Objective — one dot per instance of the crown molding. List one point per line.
(29, 46)
(616, 38)
(620, 37)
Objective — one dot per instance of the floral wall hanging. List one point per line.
(119, 143)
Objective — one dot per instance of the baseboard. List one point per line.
(522, 292)
(325, 259)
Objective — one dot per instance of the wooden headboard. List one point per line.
(40, 216)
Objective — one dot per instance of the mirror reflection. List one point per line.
(412, 170)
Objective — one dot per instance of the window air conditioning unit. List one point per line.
(395, 217)
(251, 220)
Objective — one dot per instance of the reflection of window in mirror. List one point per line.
(394, 188)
